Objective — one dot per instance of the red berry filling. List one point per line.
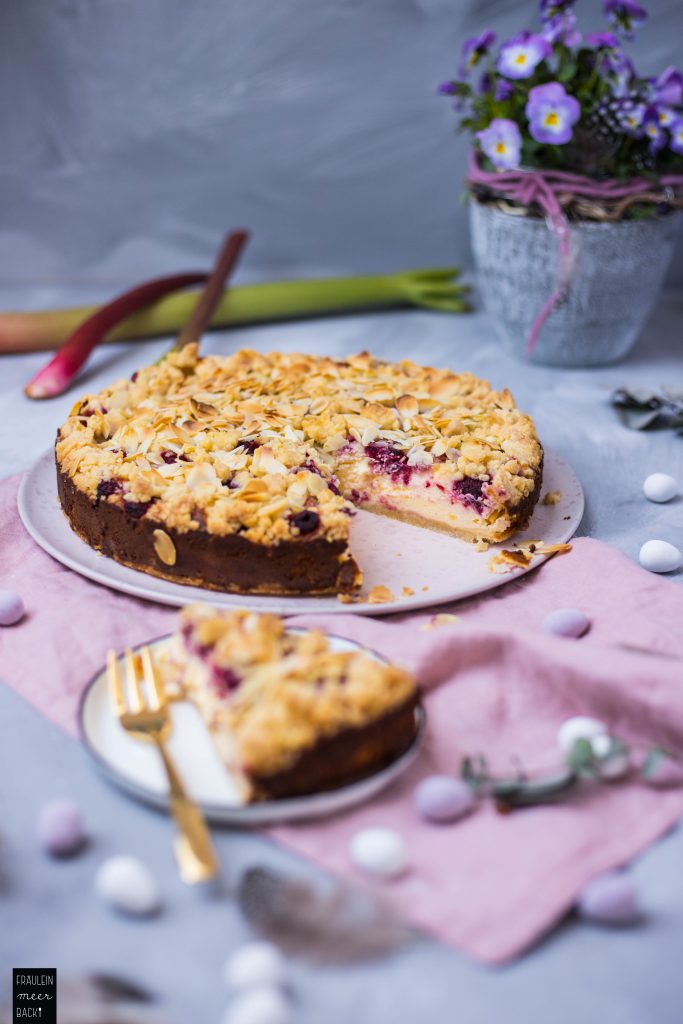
(469, 492)
(391, 461)
(224, 680)
(306, 521)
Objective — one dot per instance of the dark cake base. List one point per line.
(307, 565)
(353, 754)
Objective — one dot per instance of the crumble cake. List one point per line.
(240, 473)
(289, 716)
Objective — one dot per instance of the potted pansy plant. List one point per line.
(575, 180)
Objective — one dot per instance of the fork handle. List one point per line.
(194, 849)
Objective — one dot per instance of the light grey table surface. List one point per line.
(48, 913)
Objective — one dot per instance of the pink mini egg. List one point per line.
(568, 622)
(11, 608)
(60, 828)
(611, 898)
(442, 798)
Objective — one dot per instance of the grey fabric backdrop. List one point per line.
(133, 132)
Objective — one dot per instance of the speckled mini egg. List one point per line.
(265, 1005)
(11, 608)
(659, 556)
(611, 898)
(129, 886)
(568, 622)
(660, 487)
(256, 963)
(442, 798)
(379, 851)
(60, 828)
(582, 728)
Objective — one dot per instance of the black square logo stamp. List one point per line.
(35, 994)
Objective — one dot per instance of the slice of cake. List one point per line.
(289, 715)
(240, 473)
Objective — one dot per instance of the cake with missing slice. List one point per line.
(240, 473)
(289, 715)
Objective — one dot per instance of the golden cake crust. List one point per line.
(247, 443)
(277, 695)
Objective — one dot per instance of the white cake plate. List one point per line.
(420, 567)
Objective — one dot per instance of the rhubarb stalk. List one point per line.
(59, 373)
(434, 289)
(56, 376)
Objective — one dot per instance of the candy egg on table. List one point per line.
(60, 828)
(443, 798)
(660, 487)
(611, 898)
(263, 1005)
(660, 556)
(379, 851)
(11, 608)
(569, 622)
(256, 963)
(582, 728)
(128, 885)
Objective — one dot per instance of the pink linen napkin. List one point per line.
(493, 684)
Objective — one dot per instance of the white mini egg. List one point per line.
(379, 851)
(659, 556)
(660, 487)
(128, 885)
(263, 1005)
(256, 963)
(11, 608)
(582, 728)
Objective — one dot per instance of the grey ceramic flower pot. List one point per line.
(618, 269)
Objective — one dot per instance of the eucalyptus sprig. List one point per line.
(597, 758)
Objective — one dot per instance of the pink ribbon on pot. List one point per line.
(544, 187)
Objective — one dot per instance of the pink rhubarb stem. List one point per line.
(54, 378)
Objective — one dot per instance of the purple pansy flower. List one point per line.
(550, 8)
(676, 141)
(561, 28)
(668, 88)
(624, 14)
(504, 90)
(653, 129)
(602, 40)
(520, 57)
(552, 113)
(631, 117)
(448, 89)
(474, 49)
(502, 143)
(666, 116)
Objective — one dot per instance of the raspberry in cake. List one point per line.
(289, 715)
(240, 473)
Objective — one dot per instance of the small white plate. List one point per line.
(435, 567)
(136, 766)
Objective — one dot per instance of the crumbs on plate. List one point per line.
(380, 595)
(407, 592)
(552, 497)
(522, 557)
(443, 619)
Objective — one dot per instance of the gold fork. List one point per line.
(145, 715)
